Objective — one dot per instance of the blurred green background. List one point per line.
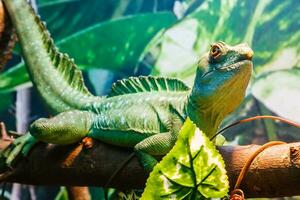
(114, 39)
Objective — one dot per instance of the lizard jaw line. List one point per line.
(235, 65)
(228, 68)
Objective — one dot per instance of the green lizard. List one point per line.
(145, 113)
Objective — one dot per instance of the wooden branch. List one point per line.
(274, 173)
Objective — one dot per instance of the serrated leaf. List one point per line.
(191, 170)
(280, 91)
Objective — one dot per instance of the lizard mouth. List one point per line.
(229, 67)
(235, 65)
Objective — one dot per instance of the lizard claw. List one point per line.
(20, 146)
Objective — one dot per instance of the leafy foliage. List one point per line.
(217, 20)
(62, 194)
(5, 101)
(280, 99)
(111, 47)
(14, 78)
(271, 28)
(104, 46)
(193, 169)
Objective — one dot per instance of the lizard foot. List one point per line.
(20, 146)
(146, 160)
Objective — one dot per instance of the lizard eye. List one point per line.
(215, 51)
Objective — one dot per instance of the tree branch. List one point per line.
(274, 173)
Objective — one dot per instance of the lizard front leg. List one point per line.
(20, 146)
(159, 144)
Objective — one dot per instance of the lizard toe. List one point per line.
(20, 147)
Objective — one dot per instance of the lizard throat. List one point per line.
(205, 117)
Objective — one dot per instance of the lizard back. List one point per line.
(140, 107)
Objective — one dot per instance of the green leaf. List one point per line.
(44, 3)
(14, 78)
(116, 44)
(102, 46)
(279, 91)
(62, 194)
(276, 38)
(6, 101)
(191, 170)
(65, 17)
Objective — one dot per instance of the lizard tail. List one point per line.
(54, 74)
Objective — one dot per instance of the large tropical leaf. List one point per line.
(5, 101)
(193, 169)
(14, 78)
(65, 17)
(114, 45)
(280, 92)
(117, 44)
(276, 37)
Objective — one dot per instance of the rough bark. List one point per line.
(274, 173)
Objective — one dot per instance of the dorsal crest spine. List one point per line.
(147, 84)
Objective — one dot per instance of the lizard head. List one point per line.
(221, 81)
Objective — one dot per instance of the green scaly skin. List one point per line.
(145, 113)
